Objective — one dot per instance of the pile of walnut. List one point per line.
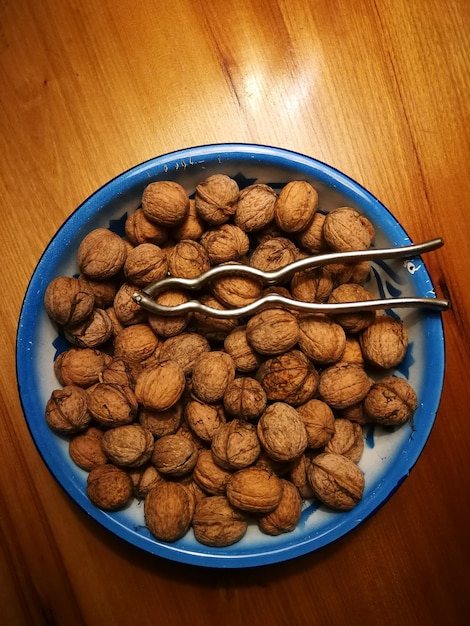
(211, 422)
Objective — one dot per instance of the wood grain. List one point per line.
(378, 89)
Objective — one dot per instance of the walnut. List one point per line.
(161, 423)
(85, 449)
(273, 254)
(68, 300)
(92, 332)
(289, 377)
(212, 372)
(237, 346)
(284, 518)
(144, 480)
(135, 343)
(298, 476)
(225, 243)
(273, 331)
(81, 367)
(116, 325)
(161, 386)
(192, 227)
(235, 445)
(67, 411)
(254, 490)
(255, 207)
(204, 419)
(112, 404)
(343, 384)
(336, 481)
(127, 310)
(311, 238)
(345, 229)
(321, 339)
(139, 230)
(360, 272)
(347, 440)
(391, 401)
(351, 292)
(319, 422)
(245, 398)
(354, 413)
(165, 202)
(174, 455)
(352, 351)
(128, 446)
(104, 291)
(281, 432)
(236, 291)
(109, 488)
(145, 264)
(217, 523)
(311, 286)
(295, 206)
(168, 511)
(212, 327)
(101, 254)
(384, 343)
(216, 199)
(166, 325)
(184, 349)
(188, 259)
(211, 477)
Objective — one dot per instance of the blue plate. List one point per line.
(389, 454)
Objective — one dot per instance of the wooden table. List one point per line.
(378, 89)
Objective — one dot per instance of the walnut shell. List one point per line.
(188, 259)
(216, 199)
(127, 310)
(211, 477)
(321, 339)
(109, 488)
(139, 229)
(168, 511)
(289, 377)
(236, 291)
(67, 411)
(298, 476)
(343, 384)
(273, 254)
(204, 419)
(311, 238)
(184, 349)
(128, 446)
(161, 423)
(225, 243)
(255, 207)
(165, 202)
(285, 517)
(311, 286)
(391, 401)
(85, 449)
(245, 398)
(347, 440)
(254, 490)
(145, 264)
(295, 206)
(92, 332)
(273, 331)
(336, 481)
(80, 367)
(319, 422)
(235, 445)
(174, 455)
(101, 254)
(384, 343)
(68, 301)
(135, 343)
(345, 229)
(281, 432)
(161, 386)
(112, 404)
(212, 372)
(217, 523)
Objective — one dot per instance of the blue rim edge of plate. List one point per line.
(33, 301)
